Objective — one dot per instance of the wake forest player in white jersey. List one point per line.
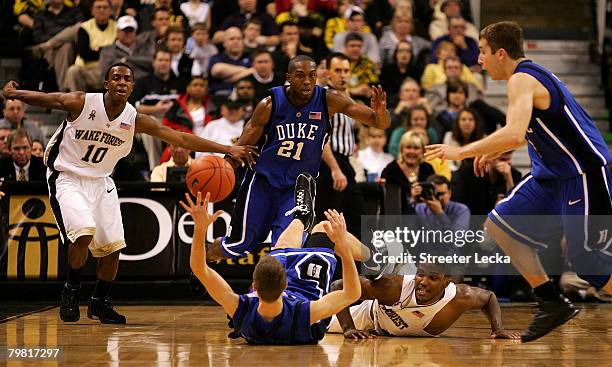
(80, 158)
(425, 304)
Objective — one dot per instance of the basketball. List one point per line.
(211, 174)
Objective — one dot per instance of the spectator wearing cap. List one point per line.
(338, 24)
(181, 63)
(229, 66)
(127, 49)
(355, 22)
(401, 28)
(442, 11)
(248, 10)
(363, 70)
(467, 47)
(227, 129)
(263, 76)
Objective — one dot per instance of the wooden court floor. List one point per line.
(196, 336)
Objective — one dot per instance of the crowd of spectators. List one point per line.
(202, 66)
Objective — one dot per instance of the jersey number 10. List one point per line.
(98, 155)
(286, 149)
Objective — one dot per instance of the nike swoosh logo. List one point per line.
(529, 130)
(109, 191)
(572, 202)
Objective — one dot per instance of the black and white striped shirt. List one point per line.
(342, 137)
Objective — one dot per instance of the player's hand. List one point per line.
(243, 153)
(360, 334)
(199, 210)
(378, 102)
(335, 227)
(9, 87)
(340, 181)
(442, 151)
(505, 334)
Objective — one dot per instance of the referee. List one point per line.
(336, 187)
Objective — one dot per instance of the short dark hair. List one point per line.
(174, 29)
(477, 134)
(270, 278)
(287, 23)
(336, 55)
(299, 58)
(163, 8)
(259, 51)
(456, 86)
(18, 134)
(438, 180)
(252, 21)
(107, 75)
(506, 35)
(407, 120)
(353, 37)
(161, 48)
(199, 27)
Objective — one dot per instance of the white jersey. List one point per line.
(406, 317)
(91, 145)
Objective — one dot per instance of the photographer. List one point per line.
(432, 203)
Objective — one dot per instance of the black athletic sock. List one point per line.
(102, 289)
(74, 276)
(547, 292)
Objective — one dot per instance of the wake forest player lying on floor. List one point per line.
(425, 304)
(289, 304)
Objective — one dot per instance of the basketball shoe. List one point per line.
(304, 209)
(549, 315)
(102, 309)
(69, 308)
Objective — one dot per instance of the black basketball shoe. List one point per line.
(69, 308)
(102, 309)
(304, 210)
(549, 316)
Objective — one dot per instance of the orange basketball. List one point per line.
(211, 174)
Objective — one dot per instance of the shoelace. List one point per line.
(303, 208)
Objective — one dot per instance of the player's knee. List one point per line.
(318, 228)
(597, 281)
(83, 241)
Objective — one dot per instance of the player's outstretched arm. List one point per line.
(521, 90)
(386, 290)
(70, 102)
(475, 298)
(335, 301)
(218, 288)
(377, 116)
(254, 128)
(146, 124)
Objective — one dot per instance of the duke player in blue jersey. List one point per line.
(291, 128)
(570, 176)
(291, 303)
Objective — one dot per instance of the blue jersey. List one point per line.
(294, 140)
(564, 141)
(292, 326)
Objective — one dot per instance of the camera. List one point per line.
(428, 191)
